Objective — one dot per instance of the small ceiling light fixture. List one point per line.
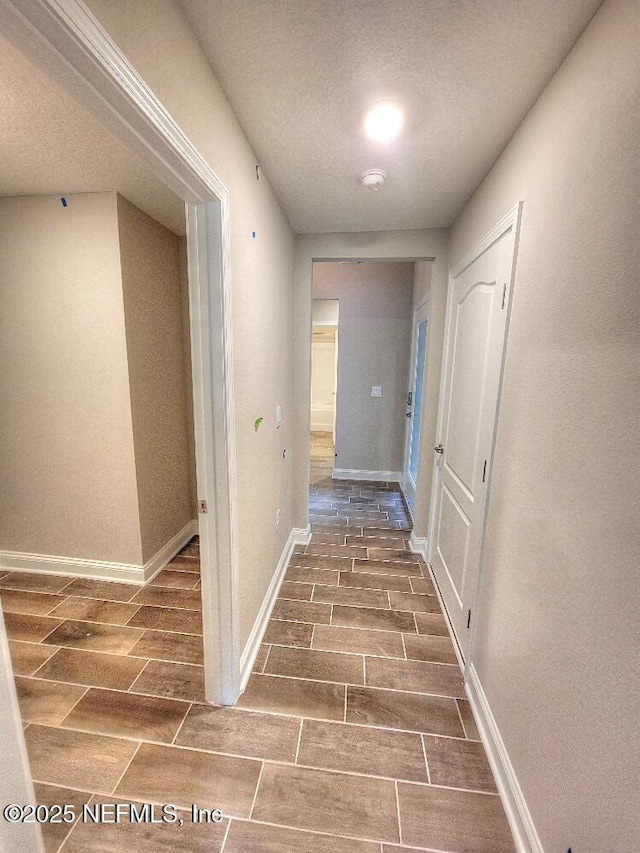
(373, 179)
(383, 122)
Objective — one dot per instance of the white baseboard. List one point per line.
(524, 832)
(168, 551)
(301, 535)
(356, 474)
(247, 658)
(419, 545)
(97, 569)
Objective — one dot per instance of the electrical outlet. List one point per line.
(277, 520)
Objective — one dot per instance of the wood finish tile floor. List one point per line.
(322, 456)
(353, 735)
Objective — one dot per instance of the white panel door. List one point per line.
(474, 350)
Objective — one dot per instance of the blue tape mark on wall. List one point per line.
(63, 202)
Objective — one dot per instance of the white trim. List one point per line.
(302, 535)
(357, 474)
(17, 561)
(420, 314)
(520, 820)
(513, 220)
(16, 785)
(211, 354)
(509, 220)
(252, 646)
(168, 551)
(419, 545)
(98, 569)
(68, 42)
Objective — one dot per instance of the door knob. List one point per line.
(439, 449)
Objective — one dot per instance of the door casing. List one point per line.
(65, 39)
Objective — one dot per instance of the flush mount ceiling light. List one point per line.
(373, 179)
(383, 122)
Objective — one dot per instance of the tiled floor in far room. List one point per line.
(322, 451)
(353, 735)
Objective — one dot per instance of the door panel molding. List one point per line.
(495, 270)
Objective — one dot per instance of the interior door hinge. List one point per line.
(484, 471)
(468, 619)
(504, 294)
(202, 507)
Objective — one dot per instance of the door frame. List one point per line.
(511, 221)
(420, 314)
(65, 39)
(335, 384)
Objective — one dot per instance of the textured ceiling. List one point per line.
(299, 74)
(49, 145)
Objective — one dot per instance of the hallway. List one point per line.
(353, 735)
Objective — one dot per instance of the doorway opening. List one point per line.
(370, 366)
(324, 386)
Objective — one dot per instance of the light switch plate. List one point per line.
(376, 390)
(278, 416)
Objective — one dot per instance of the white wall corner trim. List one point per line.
(515, 806)
(419, 545)
(252, 646)
(98, 569)
(376, 476)
(301, 535)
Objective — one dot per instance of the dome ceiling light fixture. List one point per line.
(373, 179)
(383, 122)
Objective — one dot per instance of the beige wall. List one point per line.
(374, 341)
(397, 245)
(169, 58)
(558, 641)
(150, 264)
(67, 463)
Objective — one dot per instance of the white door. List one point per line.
(414, 404)
(479, 290)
